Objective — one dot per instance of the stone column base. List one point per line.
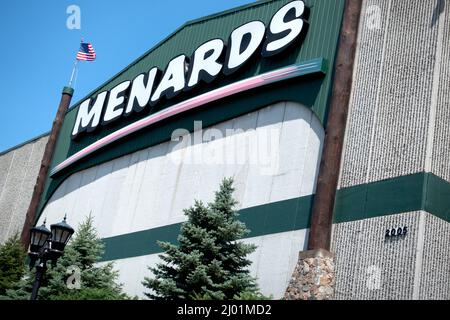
(313, 277)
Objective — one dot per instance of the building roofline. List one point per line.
(24, 143)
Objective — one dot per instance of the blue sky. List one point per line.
(39, 51)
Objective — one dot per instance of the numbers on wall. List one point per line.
(396, 232)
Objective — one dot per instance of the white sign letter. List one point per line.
(205, 66)
(88, 117)
(140, 92)
(114, 108)
(242, 45)
(287, 19)
(173, 80)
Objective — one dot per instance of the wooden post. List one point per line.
(64, 104)
(322, 213)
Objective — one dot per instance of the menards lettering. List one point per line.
(183, 74)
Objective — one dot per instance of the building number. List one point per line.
(396, 232)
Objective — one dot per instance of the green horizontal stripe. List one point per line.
(282, 216)
(392, 196)
(420, 191)
(437, 197)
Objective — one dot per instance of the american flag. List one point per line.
(86, 52)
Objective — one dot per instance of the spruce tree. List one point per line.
(12, 263)
(82, 253)
(208, 262)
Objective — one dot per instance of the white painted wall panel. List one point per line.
(150, 188)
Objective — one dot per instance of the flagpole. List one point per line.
(73, 73)
(74, 69)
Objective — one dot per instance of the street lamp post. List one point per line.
(47, 245)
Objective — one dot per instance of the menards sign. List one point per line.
(209, 60)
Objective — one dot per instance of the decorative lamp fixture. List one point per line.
(38, 237)
(61, 233)
(47, 245)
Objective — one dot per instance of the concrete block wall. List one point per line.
(19, 168)
(371, 266)
(398, 124)
(441, 140)
(397, 72)
(435, 266)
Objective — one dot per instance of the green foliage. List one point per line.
(21, 289)
(246, 295)
(209, 262)
(12, 263)
(197, 296)
(76, 266)
(251, 296)
(89, 294)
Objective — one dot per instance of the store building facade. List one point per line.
(247, 94)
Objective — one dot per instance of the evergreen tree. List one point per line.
(76, 266)
(208, 262)
(12, 263)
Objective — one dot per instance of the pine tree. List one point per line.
(208, 262)
(80, 256)
(12, 263)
